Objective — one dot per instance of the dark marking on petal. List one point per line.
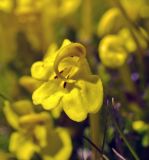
(64, 85)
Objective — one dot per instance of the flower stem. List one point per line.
(95, 132)
(86, 32)
(98, 149)
(126, 78)
(125, 140)
(112, 112)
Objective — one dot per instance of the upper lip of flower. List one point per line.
(71, 50)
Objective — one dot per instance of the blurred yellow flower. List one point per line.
(140, 126)
(26, 141)
(127, 39)
(59, 145)
(112, 51)
(13, 111)
(52, 8)
(28, 9)
(68, 82)
(41, 16)
(29, 83)
(6, 5)
(37, 135)
(136, 11)
(114, 48)
(113, 22)
(110, 22)
(64, 7)
(22, 146)
(130, 44)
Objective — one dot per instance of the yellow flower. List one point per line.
(20, 142)
(129, 42)
(29, 83)
(26, 140)
(51, 8)
(68, 82)
(64, 7)
(6, 5)
(140, 126)
(59, 145)
(40, 17)
(22, 146)
(110, 22)
(134, 12)
(112, 51)
(127, 39)
(37, 134)
(28, 9)
(25, 6)
(15, 110)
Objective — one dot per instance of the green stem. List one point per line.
(97, 148)
(125, 140)
(86, 20)
(126, 78)
(95, 132)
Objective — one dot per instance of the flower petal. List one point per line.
(59, 146)
(22, 147)
(41, 135)
(49, 94)
(66, 150)
(83, 70)
(41, 71)
(91, 93)
(22, 107)
(51, 53)
(29, 83)
(11, 116)
(74, 106)
(56, 112)
(66, 42)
